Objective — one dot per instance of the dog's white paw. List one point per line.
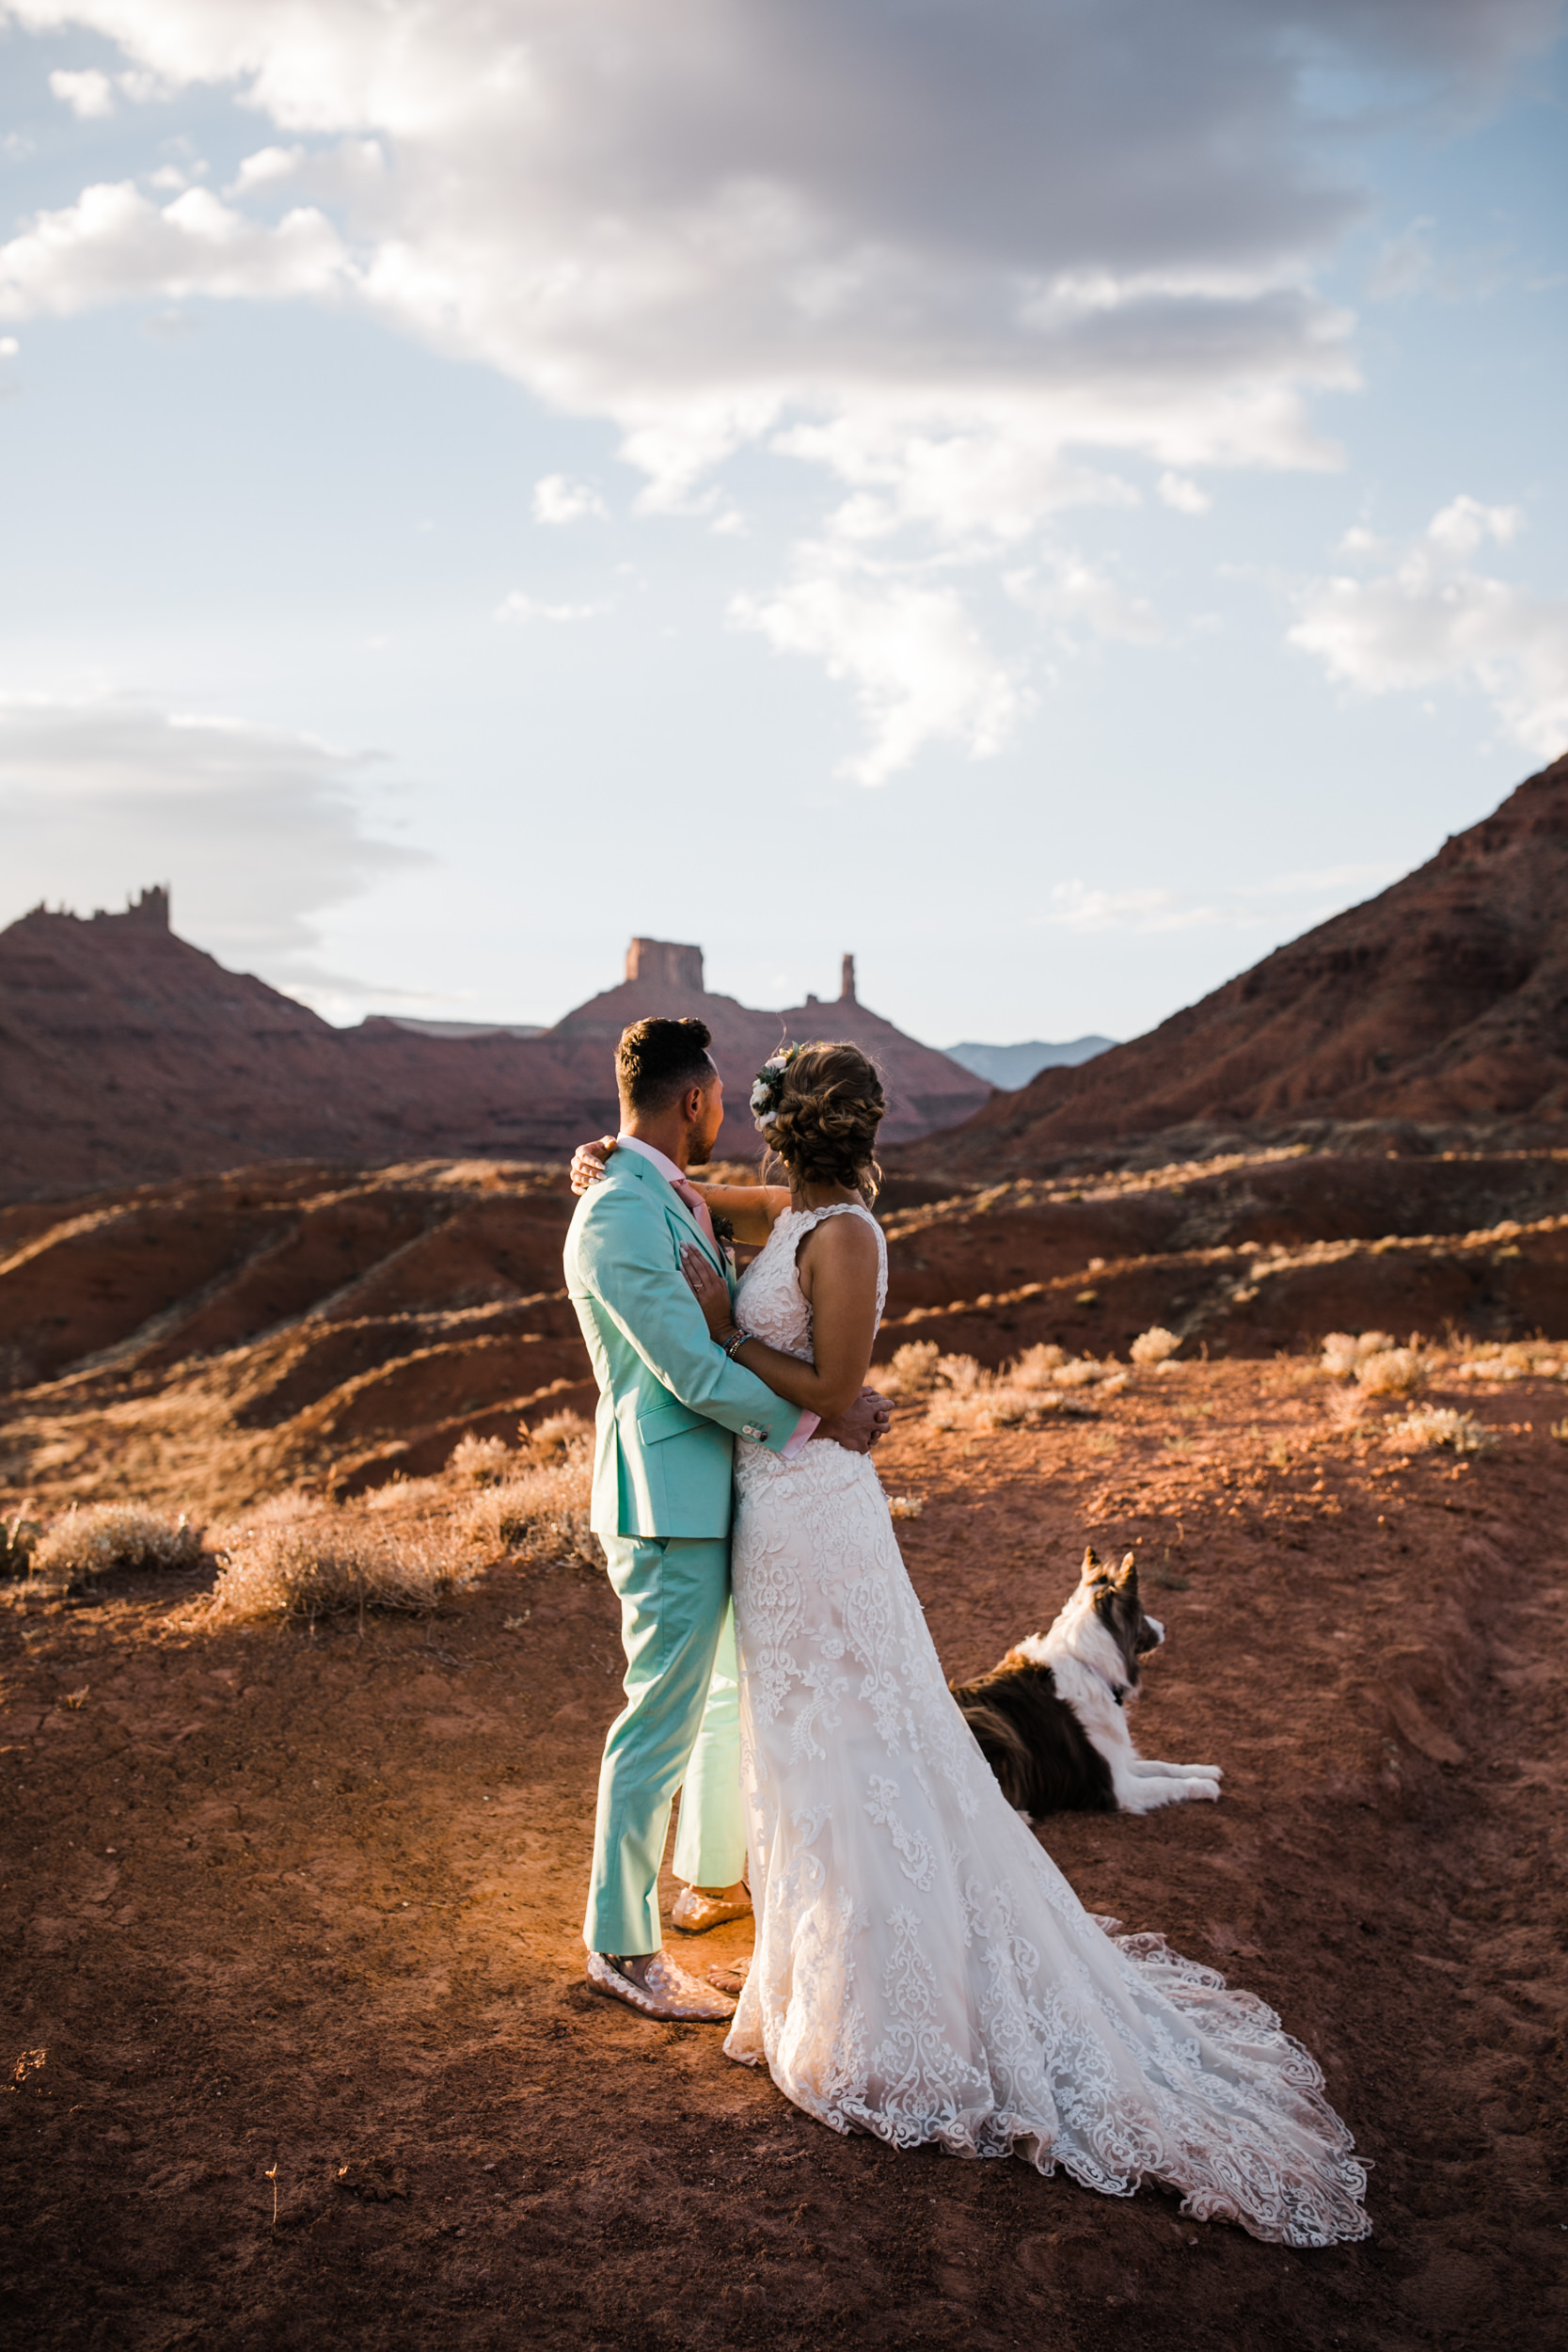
(1207, 1792)
(1205, 1772)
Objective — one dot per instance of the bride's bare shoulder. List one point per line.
(843, 1243)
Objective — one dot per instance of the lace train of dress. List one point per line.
(922, 1970)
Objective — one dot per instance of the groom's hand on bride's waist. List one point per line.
(859, 1428)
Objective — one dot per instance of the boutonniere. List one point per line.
(723, 1233)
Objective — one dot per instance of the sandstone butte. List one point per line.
(1437, 1011)
(127, 1056)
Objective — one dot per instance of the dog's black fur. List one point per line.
(1033, 1741)
(1050, 1719)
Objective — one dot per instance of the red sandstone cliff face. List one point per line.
(1443, 1001)
(128, 1057)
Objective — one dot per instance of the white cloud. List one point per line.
(1240, 906)
(519, 607)
(265, 167)
(1179, 491)
(89, 95)
(920, 669)
(9, 347)
(114, 243)
(1433, 619)
(965, 258)
(557, 501)
(256, 830)
(1069, 589)
(1077, 907)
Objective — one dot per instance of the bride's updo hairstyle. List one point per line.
(823, 1118)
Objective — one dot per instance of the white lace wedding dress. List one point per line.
(922, 1970)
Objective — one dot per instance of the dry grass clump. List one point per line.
(108, 1536)
(905, 1506)
(912, 1370)
(1516, 1360)
(19, 1534)
(294, 1557)
(969, 1398)
(1429, 1425)
(480, 1461)
(1342, 1352)
(543, 1509)
(1154, 1345)
(1391, 1372)
(562, 1434)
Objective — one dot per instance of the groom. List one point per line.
(671, 1405)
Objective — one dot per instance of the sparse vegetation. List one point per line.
(912, 1370)
(1391, 1372)
(1513, 1359)
(480, 1461)
(1343, 1352)
(1429, 1425)
(108, 1535)
(19, 1534)
(1154, 1345)
(1036, 1383)
(296, 1557)
(905, 1506)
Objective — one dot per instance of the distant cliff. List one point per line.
(126, 1056)
(1442, 1003)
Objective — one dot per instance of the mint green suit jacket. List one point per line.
(670, 1403)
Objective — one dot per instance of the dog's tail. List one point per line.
(1001, 1744)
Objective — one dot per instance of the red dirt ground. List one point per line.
(310, 1902)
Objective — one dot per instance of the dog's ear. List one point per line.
(1127, 1574)
(1094, 1567)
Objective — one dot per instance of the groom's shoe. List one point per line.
(699, 1908)
(660, 1990)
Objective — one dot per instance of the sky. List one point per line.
(1054, 497)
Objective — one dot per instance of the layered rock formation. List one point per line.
(218, 1337)
(1440, 1003)
(127, 1056)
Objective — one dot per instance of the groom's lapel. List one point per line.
(643, 1170)
(710, 1248)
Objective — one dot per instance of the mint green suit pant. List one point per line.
(680, 1728)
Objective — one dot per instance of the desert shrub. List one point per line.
(993, 1406)
(1428, 1425)
(912, 1370)
(969, 1398)
(108, 1535)
(1153, 1345)
(905, 1506)
(19, 1537)
(480, 1461)
(560, 1434)
(538, 1510)
(1516, 1359)
(1342, 1352)
(297, 1558)
(1391, 1372)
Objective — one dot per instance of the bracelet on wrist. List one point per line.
(736, 1340)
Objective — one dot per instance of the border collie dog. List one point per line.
(1052, 1718)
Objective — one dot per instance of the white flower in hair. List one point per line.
(768, 1084)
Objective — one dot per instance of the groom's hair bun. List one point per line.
(824, 1126)
(657, 1061)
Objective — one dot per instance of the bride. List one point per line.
(922, 1971)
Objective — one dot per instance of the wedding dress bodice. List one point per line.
(922, 1970)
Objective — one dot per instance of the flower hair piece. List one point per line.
(767, 1086)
